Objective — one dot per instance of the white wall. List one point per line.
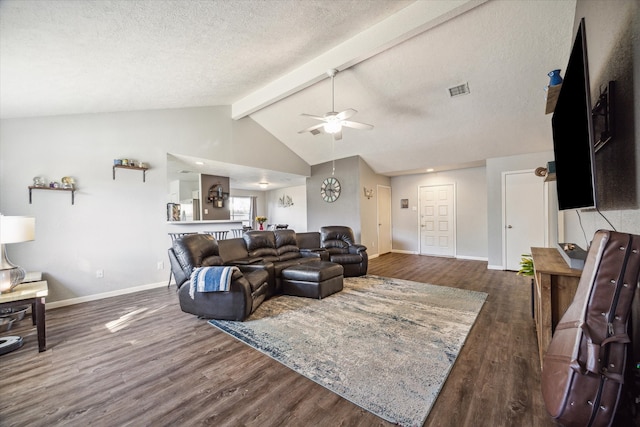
(118, 226)
(369, 207)
(613, 31)
(296, 215)
(495, 168)
(471, 210)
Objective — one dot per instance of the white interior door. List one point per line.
(384, 219)
(437, 220)
(524, 216)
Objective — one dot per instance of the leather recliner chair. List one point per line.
(340, 243)
(249, 286)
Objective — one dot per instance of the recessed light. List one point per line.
(263, 184)
(430, 170)
(199, 163)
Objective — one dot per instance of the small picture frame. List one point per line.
(173, 212)
(404, 203)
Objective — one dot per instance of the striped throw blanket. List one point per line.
(211, 279)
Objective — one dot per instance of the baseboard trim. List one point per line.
(79, 300)
(495, 267)
(472, 258)
(399, 251)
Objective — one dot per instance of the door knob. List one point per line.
(509, 226)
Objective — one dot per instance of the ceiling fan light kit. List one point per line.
(334, 121)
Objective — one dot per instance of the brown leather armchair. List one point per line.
(249, 285)
(340, 243)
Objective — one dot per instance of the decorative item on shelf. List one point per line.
(173, 211)
(54, 184)
(552, 91)
(13, 229)
(217, 196)
(261, 220)
(130, 164)
(39, 181)
(554, 78)
(368, 193)
(285, 201)
(67, 182)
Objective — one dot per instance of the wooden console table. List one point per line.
(32, 293)
(555, 287)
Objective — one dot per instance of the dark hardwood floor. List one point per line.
(137, 360)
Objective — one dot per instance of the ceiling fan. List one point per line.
(333, 121)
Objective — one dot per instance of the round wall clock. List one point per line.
(330, 190)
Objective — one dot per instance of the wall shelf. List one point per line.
(552, 98)
(137, 168)
(72, 190)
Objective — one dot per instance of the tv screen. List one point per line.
(572, 124)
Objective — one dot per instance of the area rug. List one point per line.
(385, 344)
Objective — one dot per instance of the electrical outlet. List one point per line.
(206, 211)
(160, 265)
(99, 274)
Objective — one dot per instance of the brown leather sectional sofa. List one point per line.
(261, 257)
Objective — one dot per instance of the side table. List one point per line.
(555, 287)
(33, 293)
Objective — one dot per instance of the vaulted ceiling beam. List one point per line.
(406, 23)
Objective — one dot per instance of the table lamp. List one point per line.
(13, 229)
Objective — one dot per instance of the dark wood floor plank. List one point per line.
(137, 360)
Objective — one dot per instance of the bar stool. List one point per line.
(237, 232)
(219, 235)
(175, 236)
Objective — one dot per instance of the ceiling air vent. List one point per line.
(462, 89)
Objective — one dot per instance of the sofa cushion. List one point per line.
(260, 244)
(191, 250)
(286, 241)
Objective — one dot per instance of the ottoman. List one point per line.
(313, 279)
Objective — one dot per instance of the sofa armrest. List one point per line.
(356, 249)
(234, 304)
(321, 253)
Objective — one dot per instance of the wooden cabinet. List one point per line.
(554, 288)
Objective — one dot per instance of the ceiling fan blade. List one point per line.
(356, 125)
(312, 129)
(344, 115)
(313, 117)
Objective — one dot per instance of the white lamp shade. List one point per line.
(15, 229)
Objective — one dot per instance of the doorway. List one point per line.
(524, 219)
(437, 220)
(384, 219)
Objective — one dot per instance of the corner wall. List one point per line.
(471, 210)
(118, 226)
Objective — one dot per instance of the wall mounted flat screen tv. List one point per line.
(573, 138)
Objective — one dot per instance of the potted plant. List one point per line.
(526, 265)
(261, 220)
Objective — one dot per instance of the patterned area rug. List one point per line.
(386, 345)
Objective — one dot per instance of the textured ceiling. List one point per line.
(70, 57)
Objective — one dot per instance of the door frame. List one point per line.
(545, 208)
(454, 220)
(388, 207)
